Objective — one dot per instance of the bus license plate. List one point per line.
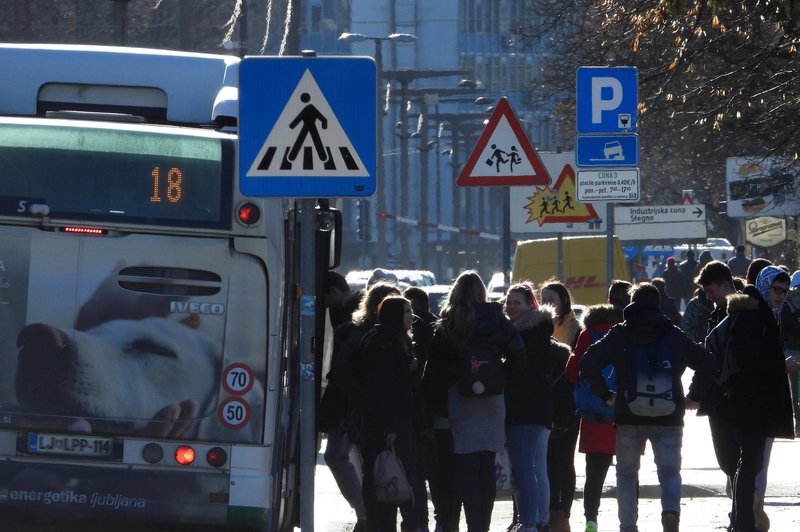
(72, 445)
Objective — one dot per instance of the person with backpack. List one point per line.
(597, 435)
(529, 404)
(469, 343)
(649, 355)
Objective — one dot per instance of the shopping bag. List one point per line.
(503, 474)
(391, 484)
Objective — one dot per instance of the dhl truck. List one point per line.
(584, 265)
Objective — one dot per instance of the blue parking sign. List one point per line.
(607, 100)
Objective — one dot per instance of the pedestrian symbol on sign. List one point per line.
(307, 140)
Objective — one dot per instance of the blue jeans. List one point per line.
(666, 443)
(527, 449)
(347, 474)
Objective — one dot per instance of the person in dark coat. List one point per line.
(739, 263)
(668, 307)
(386, 365)
(694, 320)
(339, 412)
(476, 422)
(645, 326)
(750, 400)
(529, 403)
(688, 269)
(675, 281)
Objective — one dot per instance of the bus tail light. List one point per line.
(85, 230)
(216, 457)
(248, 214)
(152, 453)
(184, 454)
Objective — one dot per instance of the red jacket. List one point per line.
(594, 437)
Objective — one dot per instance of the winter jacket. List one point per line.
(388, 395)
(674, 282)
(343, 389)
(695, 318)
(476, 422)
(751, 390)
(594, 437)
(529, 390)
(643, 325)
(445, 353)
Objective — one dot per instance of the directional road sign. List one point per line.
(607, 100)
(660, 222)
(608, 185)
(607, 151)
(307, 126)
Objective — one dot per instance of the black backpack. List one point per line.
(480, 368)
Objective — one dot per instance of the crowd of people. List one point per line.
(450, 393)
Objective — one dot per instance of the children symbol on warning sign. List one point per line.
(513, 158)
(544, 207)
(497, 157)
(567, 202)
(308, 116)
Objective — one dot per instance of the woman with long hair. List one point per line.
(387, 362)
(529, 404)
(476, 413)
(343, 396)
(564, 437)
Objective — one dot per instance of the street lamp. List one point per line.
(349, 37)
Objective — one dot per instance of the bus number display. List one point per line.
(174, 185)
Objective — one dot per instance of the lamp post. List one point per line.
(426, 98)
(405, 77)
(348, 37)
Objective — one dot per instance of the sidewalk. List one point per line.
(703, 512)
(704, 505)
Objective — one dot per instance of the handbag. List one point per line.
(503, 474)
(391, 484)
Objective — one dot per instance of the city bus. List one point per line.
(148, 309)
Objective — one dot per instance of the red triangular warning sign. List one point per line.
(503, 155)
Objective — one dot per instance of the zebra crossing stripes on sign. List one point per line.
(307, 139)
(307, 126)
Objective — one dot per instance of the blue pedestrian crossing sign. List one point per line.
(606, 100)
(307, 126)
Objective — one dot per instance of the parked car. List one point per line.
(357, 279)
(437, 295)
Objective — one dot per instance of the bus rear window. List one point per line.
(116, 173)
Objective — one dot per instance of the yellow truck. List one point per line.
(584, 265)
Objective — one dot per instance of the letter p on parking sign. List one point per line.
(607, 100)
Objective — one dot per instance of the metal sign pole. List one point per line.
(308, 435)
(507, 236)
(609, 243)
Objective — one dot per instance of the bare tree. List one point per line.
(716, 79)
